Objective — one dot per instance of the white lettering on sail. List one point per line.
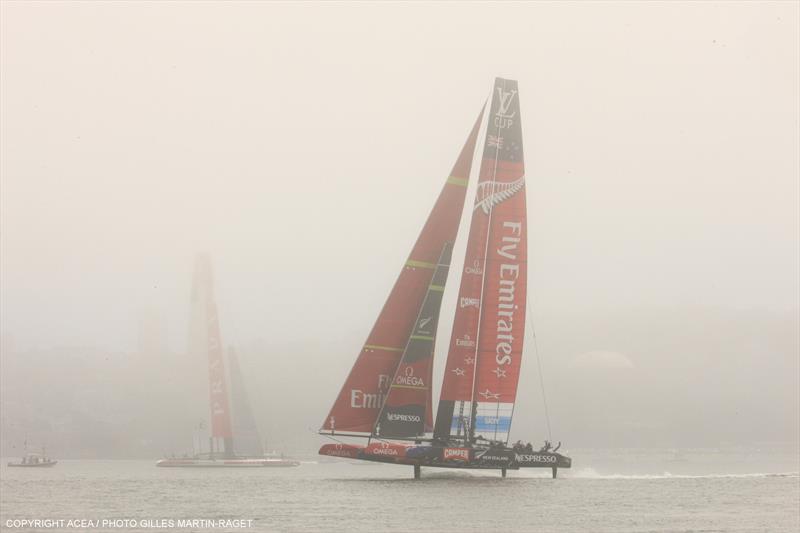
(370, 400)
(365, 400)
(465, 341)
(470, 302)
(409, 379)
(535, 458)
(401, 417)
(474, 269)
(505, 298)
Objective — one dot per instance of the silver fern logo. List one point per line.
(491, 193)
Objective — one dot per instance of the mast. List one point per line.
(482, 367)
(359, 402)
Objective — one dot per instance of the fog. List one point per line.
(302, 147)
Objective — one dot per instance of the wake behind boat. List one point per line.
(387, 397)
(231, 462)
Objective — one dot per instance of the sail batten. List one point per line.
(358, 404)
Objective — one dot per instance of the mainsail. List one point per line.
(205, 341)
(246, 439)
(358, 404)
(483, 361)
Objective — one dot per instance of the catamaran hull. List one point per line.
(226, 463)
(447, 457)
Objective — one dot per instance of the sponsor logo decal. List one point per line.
(470, 302)
(466, 342)
(474, 269)
(385, 449)
(339, 450)
(402, 417)
(536, 458)
(504, 117)
(424, 323)
(506, 306)
(408, 378)
(487, 456)
(360, 399)
(456, 454)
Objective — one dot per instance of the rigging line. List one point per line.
(539, 366)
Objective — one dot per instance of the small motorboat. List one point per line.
(34, 460)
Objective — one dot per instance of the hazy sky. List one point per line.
(303, 145)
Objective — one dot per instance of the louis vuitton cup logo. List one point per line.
(504, 117)
(506, 99)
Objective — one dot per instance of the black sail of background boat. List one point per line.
(228, 423)
(387, 397)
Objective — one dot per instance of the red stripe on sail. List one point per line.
(358, 403)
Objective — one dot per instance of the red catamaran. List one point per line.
(388, 396)
(234, 440)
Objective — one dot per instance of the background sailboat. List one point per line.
(388, 395)
(234, 440)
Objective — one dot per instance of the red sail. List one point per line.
(502, 324)
(358, 404)
(207, 327)
(500, 200)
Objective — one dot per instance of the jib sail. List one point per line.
(357, 406)
(407, 409)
